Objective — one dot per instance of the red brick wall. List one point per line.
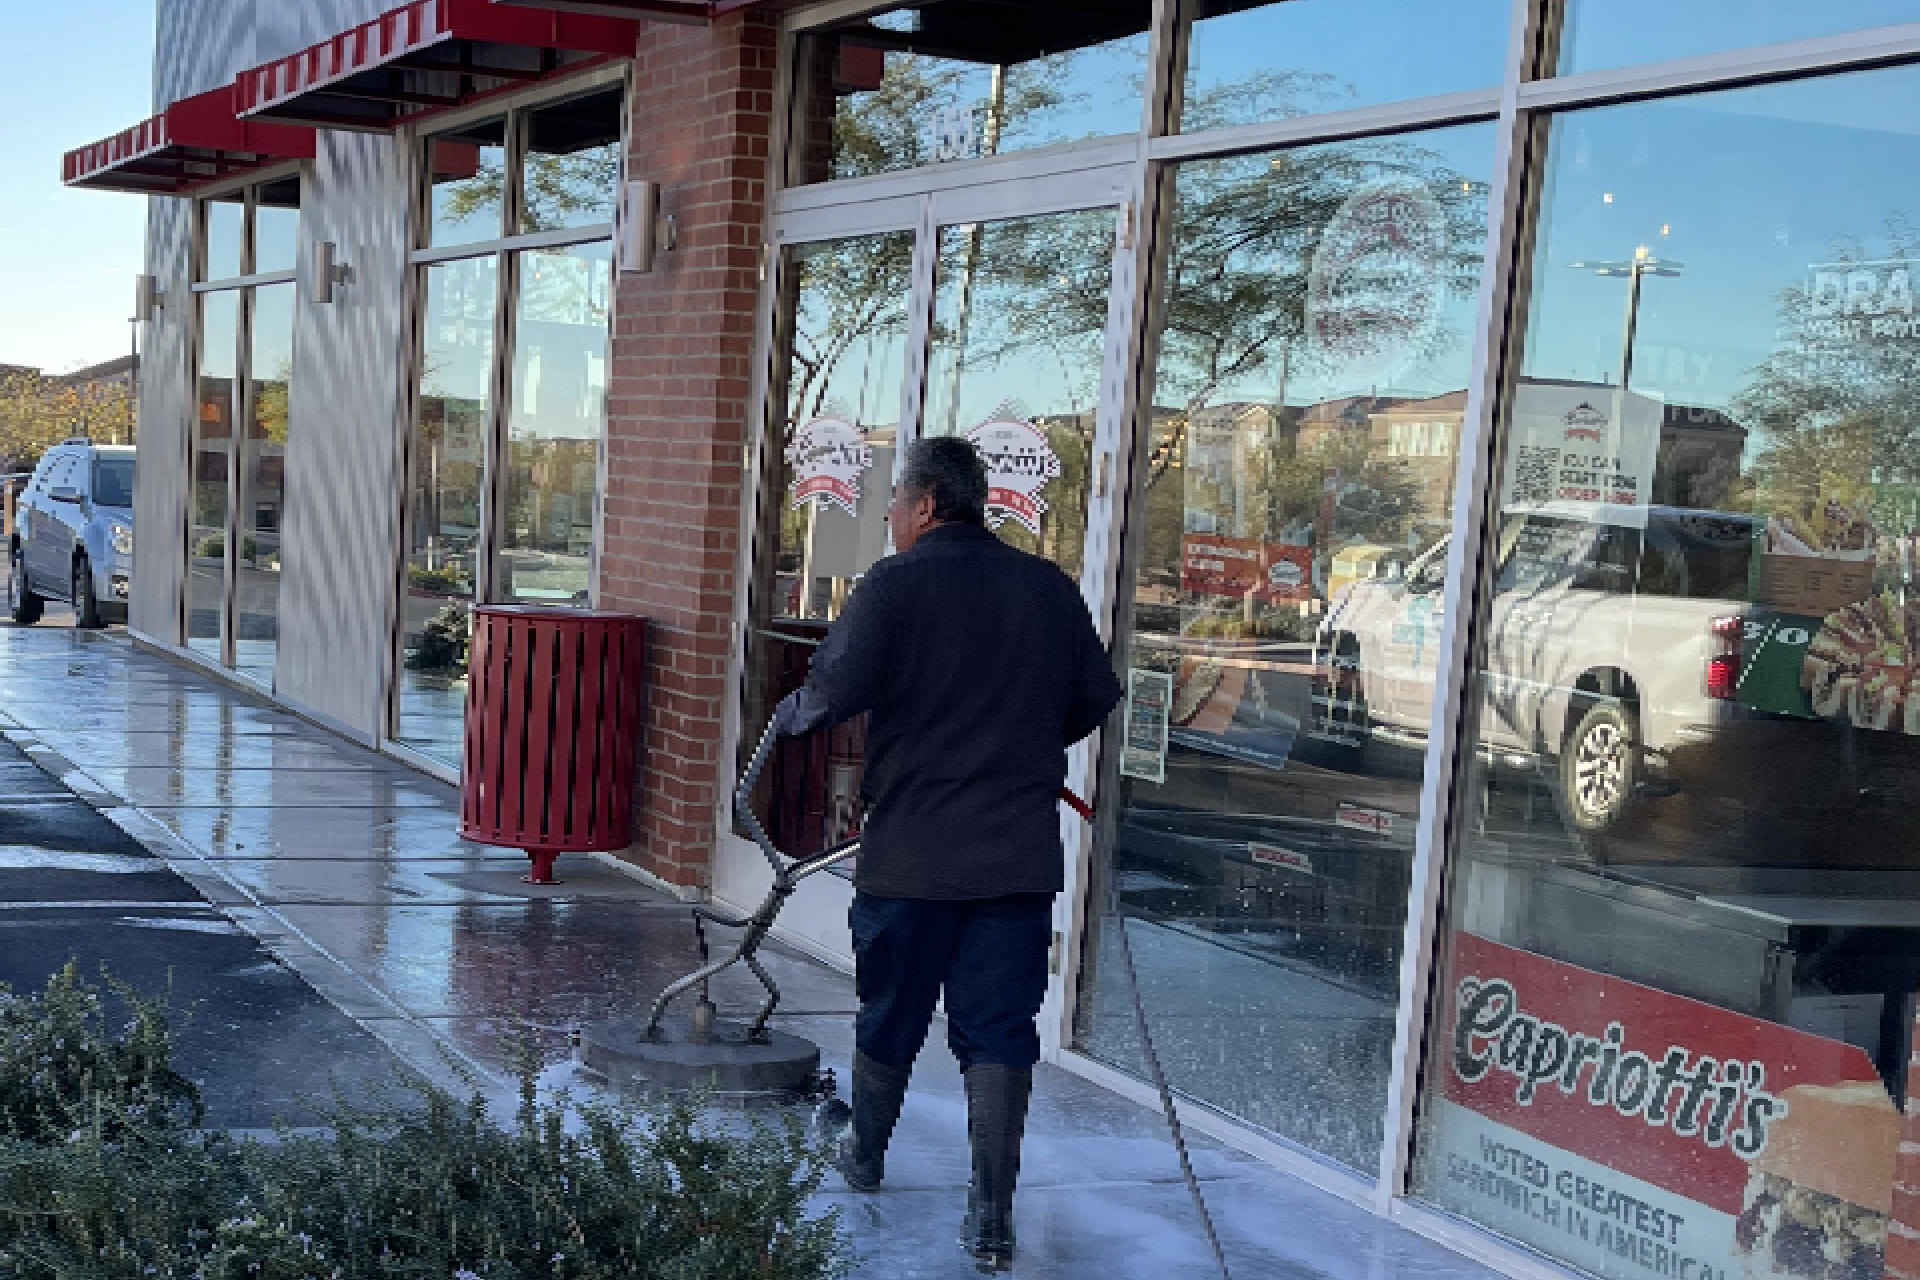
(683, 338)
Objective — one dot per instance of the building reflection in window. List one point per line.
(212, 462)
(1685, 868)
(555, 424)
(448, 467)
(1316, 308)
(263, 459)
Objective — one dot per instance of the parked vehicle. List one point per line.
(72, 534)
(1606, 649)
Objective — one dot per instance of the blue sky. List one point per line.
(76, 71)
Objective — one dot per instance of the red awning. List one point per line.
(423, 57)
(695, 11)
(194, 141)
(668, 10)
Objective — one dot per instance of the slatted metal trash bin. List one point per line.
(553, 726)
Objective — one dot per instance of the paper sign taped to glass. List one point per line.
(1020, 462)
(1149, 701)
(829, 455)
(1582, 452)
(1640, 1134)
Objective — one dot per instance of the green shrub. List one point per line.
(415, 1183)
(443, 640)
(437, 581)
(61, 1065)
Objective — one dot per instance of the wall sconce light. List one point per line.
(147, 297)
(324, 273)
(644, 232)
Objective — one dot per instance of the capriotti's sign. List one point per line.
(1020, 462)
(1642, 1135)
(828, 456)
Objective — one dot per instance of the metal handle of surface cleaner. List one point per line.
(787, 875)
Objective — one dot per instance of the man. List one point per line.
(979, 666)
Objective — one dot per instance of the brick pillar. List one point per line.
(702, 114)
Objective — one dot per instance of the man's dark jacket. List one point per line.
(980, 667)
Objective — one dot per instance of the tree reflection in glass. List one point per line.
(447, 467)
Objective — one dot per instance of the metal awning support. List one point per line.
(196, 140)
(422, 57)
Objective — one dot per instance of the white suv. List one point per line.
(1608, 647)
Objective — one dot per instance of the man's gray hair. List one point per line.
(951, 470)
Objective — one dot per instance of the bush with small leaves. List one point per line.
(412, 1183)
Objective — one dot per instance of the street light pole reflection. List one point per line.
(1643, 263)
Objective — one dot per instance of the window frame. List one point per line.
(243, 286)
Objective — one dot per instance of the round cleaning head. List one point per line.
(725, 1066)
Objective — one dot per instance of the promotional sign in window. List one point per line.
(828, 456)
(1638, 1134)
(1020, 462)
(1582, 453)
(1213, 565)
(1149, 698)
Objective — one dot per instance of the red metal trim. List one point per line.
(686, 11)
(417, 26)
(206, 122)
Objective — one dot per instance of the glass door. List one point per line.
(988, 320)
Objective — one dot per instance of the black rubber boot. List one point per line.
(863, 1130)
(996, 1121)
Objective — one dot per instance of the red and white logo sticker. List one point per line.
(828, 456)
(1020, 462)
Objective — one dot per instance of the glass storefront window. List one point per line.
(238, 484)
(448, 470)
(1317, 305)
(1683, 921)
(1618, 33)
(263, 482)
(572, 163)
(225, 232)
(555, 424)
(1266, 61)
(503, 497)
(1019, 328)
(276, 225)
(960, 79)
(823, 519)
(207, 548)
(467, 176)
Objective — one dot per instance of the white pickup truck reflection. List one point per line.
(1600, 656)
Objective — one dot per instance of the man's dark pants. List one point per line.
(990, 956)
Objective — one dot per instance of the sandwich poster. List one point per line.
(1639, 1134)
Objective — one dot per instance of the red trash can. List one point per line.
(553, 726)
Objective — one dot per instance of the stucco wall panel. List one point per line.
(166, 412)
(343, 438)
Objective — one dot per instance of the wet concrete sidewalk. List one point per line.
(346, 866)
